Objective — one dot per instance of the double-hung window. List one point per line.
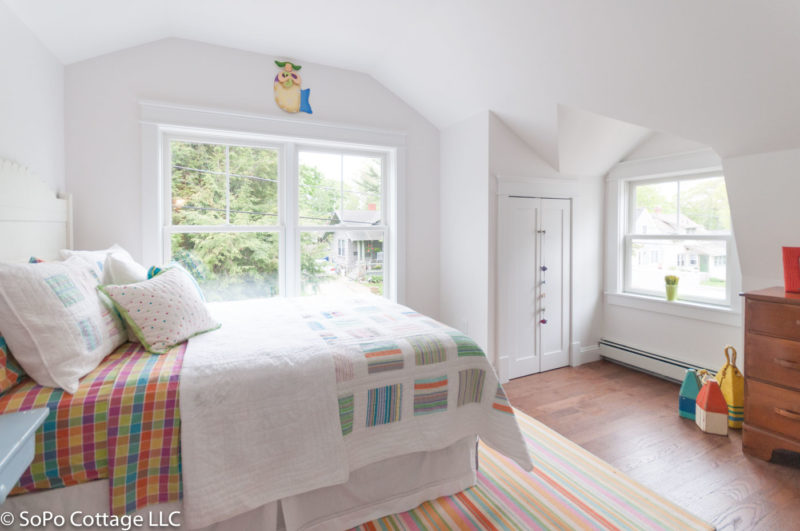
(260, 217)
(224, 219)
(341, 206)
(679, 226)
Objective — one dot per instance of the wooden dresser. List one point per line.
(772, 372)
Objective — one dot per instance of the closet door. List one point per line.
(517, 289)
(533, 283)
(554, 296)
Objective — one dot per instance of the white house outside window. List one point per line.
(678, 226)
(341, 204)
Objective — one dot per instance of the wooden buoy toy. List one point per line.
(687, 398)
(711, 411)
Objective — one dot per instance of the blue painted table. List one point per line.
(17, 445)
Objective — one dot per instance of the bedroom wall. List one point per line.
(464, 250)
(31, 102)
(696, 341)
(103, 145)
(659, 144)
(763, 191)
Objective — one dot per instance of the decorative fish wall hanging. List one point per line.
(288, 94)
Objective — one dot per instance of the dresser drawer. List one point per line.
(781, 320)
(773, 360)
(773, 408)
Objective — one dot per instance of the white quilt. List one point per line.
(290, 395)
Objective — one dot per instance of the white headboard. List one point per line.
(34, 221)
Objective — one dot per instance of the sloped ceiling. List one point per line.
(590, 144)
(725, 73)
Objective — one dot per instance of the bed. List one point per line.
(231, 431)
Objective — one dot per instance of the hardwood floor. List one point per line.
(630, 419)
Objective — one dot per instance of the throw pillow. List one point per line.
(55, 322)
(122, 269)
(98, 259)
(164, 310)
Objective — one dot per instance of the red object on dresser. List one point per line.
(791, 269)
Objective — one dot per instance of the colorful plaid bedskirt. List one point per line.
(122, 423)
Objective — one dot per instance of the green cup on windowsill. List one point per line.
(671, 282)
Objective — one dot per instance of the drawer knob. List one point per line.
(788, 414)
(789, 364)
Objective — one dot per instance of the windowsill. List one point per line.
(688, 310)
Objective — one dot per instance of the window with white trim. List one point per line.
(259, 217)
(678, 226)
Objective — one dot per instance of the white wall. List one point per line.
(31, 102)
(659, 144)
(464, 251)
(103, 145)
(587, 262)
(591, 144)
(691, 340)
(764, 193)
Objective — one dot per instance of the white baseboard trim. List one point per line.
(580, 355)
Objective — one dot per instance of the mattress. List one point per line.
(122, 424)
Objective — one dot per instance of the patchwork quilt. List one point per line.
(395, 366)
(122, 424)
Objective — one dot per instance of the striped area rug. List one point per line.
(569, 488)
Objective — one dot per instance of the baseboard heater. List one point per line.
(649, 362)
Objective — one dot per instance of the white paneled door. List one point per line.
(533, 283)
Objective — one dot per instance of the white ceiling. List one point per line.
(725, 73)
(590, 144)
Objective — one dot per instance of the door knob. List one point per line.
(543, 321)
(544, 268)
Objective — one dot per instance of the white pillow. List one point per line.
(164, 310)
(98, 259)
(55, 322)
(122, 269)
